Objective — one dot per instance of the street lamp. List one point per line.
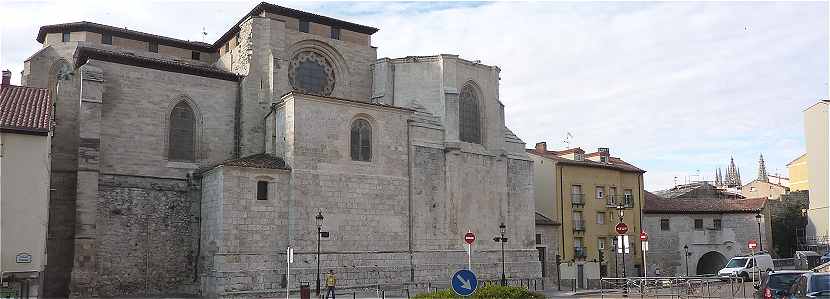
(502, 240)
(686, 255)
(319, 218)
(759, 218)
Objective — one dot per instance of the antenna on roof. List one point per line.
(204, 34)
(567, 140)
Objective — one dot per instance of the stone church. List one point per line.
(184, 168)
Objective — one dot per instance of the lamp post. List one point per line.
(686, 256)
(502, 240)
(759, 218)
(622, 245)
(319, 218)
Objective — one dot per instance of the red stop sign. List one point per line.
(643, 236)
(621, 228)
(469, 237)
(752, 244)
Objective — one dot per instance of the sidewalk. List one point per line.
(553, 293)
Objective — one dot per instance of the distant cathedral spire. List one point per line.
(718, 179)
(762, 170)
(733, 175)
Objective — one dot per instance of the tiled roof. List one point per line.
(25, 109)
(544, 220)
(656, 205)
(702, 189)
(258, 161)
(122, 56)
(613, 162)
(121, 32)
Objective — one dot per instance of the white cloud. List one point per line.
(672, 87)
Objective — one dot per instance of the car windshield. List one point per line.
(782, 281)
(820, 283)
(737, 262)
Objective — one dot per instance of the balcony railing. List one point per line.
(577, 198)
(580, 252)
(613, 201)
(579, 225)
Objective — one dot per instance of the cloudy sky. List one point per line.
(672, 87)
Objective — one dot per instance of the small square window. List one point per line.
(304, 26)
(335, 33)
(262, 190)
(600, 218)
(65, 37)
(106, 39)
(600, 192)
(717, 224)
(601, 243)
(195, 55)
(538, 238)
(698, 224)
(664, 224)
(153, 47)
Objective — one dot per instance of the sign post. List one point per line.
(644, 241)
(289, 258)
(622, 242)
(752, 245)
(469, 238)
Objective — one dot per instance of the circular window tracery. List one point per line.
(311, 72)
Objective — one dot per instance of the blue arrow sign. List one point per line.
(464, 282)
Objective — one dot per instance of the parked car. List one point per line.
(825, 258)
(776, 284)
(747, 267)
(811, 285)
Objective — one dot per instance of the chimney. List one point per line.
(7, 78)
(542, 146)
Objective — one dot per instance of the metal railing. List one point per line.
(577, 198)
(579, 225)
(681, 287)
(580, 251)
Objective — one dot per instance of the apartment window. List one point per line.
(65, 37)
(335, 33)
(601, 243)
(262, 190)
(698, 224)
(538, 239)
(236, 39)
(195, 55)
(664, 224)
(612, 195)
(153, 47)
(106, 39)
(627, 197)
(227, 47)
(600, 218)
(303, 26)
(717, 224)
(579, 224)
(600, 191)
(576, 194)
(603, 159)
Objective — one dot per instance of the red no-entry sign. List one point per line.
(752, 244)
(469, 237)
(621, 228)
(643, 236)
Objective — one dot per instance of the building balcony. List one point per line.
(579, 225)
(577, 198)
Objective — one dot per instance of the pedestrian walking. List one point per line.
(331, 280)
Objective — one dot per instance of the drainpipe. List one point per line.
(409, 197)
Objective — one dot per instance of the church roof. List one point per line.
(123, 56)
(201, 46)
(656, 205)
(263, 160)
(25, 109)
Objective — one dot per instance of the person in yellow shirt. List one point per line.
(330, 282)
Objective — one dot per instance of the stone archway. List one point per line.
(710, 263)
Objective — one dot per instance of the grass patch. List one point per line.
(489, 291)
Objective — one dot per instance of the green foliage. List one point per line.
(488, 291)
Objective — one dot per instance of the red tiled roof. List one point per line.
(25, 109)
(613, 162)
(657, 205)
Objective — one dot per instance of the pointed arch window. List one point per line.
(469, 121)
(361, 140)
(182, 133)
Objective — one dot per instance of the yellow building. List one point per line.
(797, 170)
(585, 193)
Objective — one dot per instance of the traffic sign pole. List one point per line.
(644, 249)
(469, 238)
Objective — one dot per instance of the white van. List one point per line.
(747, 267)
